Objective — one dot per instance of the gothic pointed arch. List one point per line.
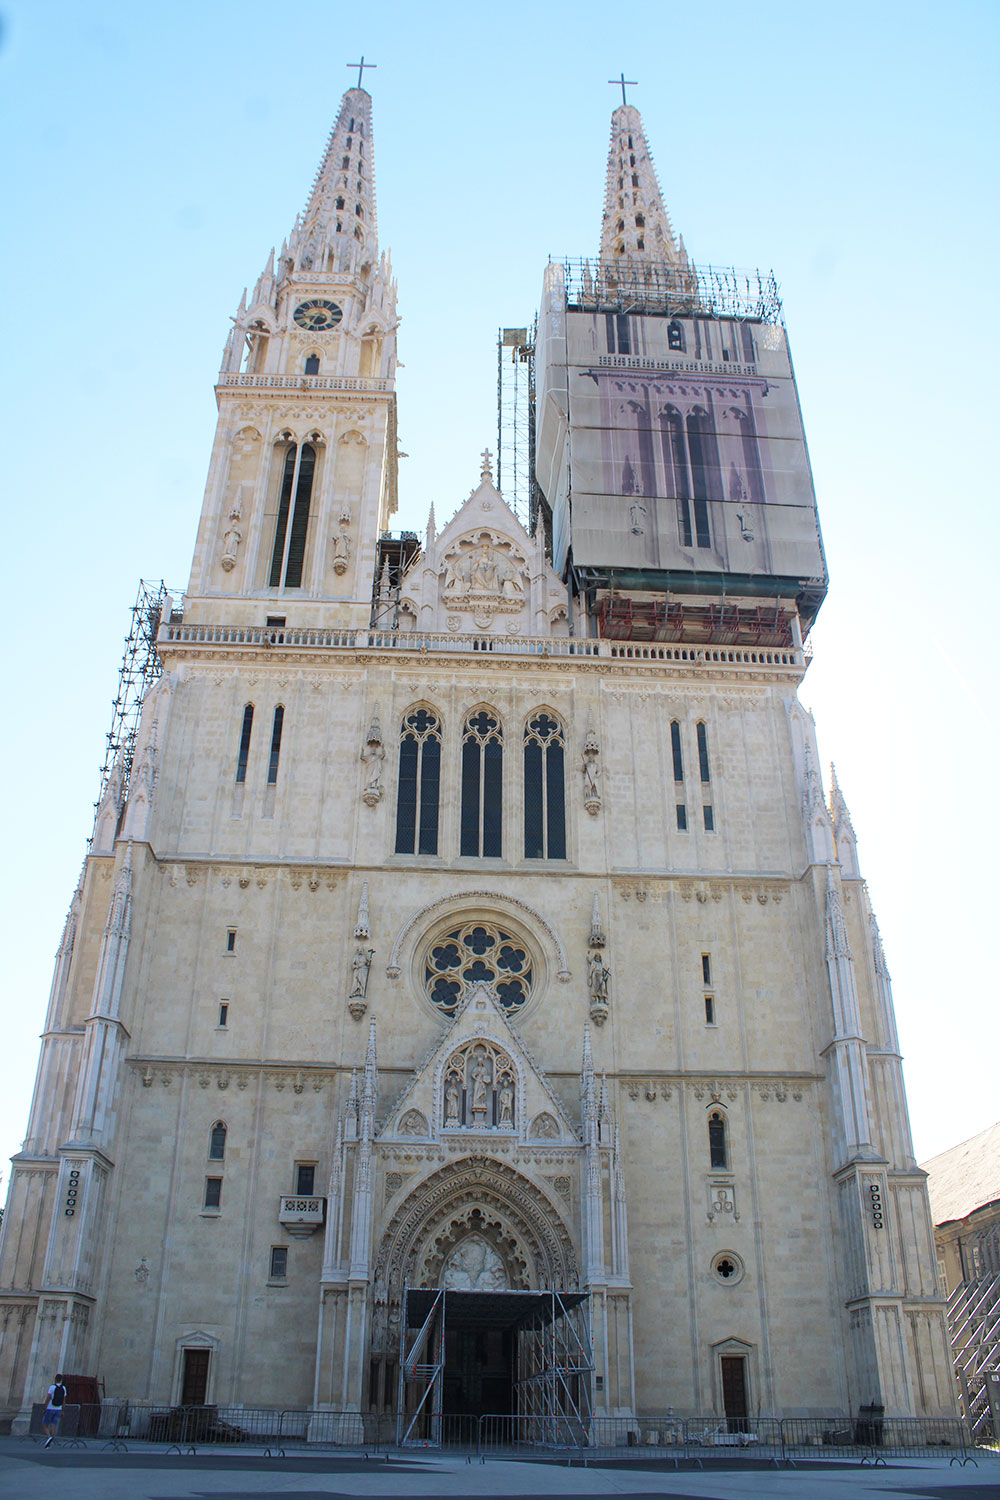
(489, 1202)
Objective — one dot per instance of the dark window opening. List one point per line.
(231, 940)
(624, 341)
(345, 163)
(223, 1012)
(544, 790)
(706, 967)
(272, 765)
(300, 518)
(682, 817)
(703, 767)
(279, 1263)
(213, 1192)
(339, 203)
(305, 1179)
(482, 787)
(419, 785)
(635, 179)
(244, 751)
(217, 1142)
(709, 1010)
(284, 501)
(717, 1148)
(709, 813)
(675, 335)
(194, 1377)
(675, 750)
(312, 364)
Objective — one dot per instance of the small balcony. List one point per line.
(301, 1216)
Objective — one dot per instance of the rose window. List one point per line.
(477, 953)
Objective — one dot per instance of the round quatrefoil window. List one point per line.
(728, 1268)
(478, 952)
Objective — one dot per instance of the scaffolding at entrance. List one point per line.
(554, 1361)
(140, 667)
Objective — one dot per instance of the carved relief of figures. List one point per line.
(474, 1267)
(485, 573)
(341, 549)
(598, 981)
(480, 1089)
(373, 755)
(231, 540)
(591, 773)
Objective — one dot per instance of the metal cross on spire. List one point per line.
(362, 65)
(630, 83)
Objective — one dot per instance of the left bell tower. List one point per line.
(303, 472)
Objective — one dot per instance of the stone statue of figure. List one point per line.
(452, 1100)
(598, 977)
(506, 1098)
(590, 774)
(231, 541)
(480, 1080)
(341, 551)
(485, 575)
(359, 973)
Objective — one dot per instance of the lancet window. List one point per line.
(482, 785)
(276, 728)
(217, 1142)
(244, 751)
(480, 1088)
(288, 553)
(419, 787)
(544, 789)
(718, 1144)
(478, 953)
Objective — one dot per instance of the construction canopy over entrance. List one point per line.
(503, 1353)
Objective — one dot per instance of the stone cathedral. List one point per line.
(468, 962)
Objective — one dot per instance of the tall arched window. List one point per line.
(217, 1142)
(704, 769)
(544, 789)
(418, 791)
(272, 764)
(290, 540)
(675, 750)
(718, 1146)
(482, 785)
(244, 750)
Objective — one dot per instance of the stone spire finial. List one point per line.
(486, 472)
(338, 230)
(636, 224)
(361, 928)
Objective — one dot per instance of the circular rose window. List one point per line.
(477, 952)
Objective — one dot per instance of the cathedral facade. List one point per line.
(469, 936)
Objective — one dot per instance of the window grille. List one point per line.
(478, 952)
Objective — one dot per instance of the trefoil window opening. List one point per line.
(419, 786)
(482, 786)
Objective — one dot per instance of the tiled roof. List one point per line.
(965, 1177)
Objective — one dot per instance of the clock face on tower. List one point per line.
(317, 315)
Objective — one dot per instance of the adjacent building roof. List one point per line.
(965, 1177)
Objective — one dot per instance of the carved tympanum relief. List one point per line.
(479, 1088)
(474, 1267)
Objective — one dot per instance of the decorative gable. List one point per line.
(480, 1081)
(483, 573)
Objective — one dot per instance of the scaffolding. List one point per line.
(553, 1361)
(140, 667)
(393, 555)
(516, 421)
(635, 285)
(974, 1327)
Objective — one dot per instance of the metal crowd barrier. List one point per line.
(866, 1438)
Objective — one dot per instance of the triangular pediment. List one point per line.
(479, 1081)
(483, 573)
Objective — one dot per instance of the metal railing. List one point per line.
(117, 1424)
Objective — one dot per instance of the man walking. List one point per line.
(54, 1402)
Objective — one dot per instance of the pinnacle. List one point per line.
(636, 224)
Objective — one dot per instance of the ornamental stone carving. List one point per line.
(591, 774)
(479, 1088)
(372, 756)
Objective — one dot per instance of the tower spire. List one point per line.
(338, 230)
(636, 224)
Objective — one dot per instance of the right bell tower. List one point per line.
(671, 462)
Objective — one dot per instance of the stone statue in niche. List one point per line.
(474, 1267)
(480, 1089)
(231, 540)
(373, 755)
(485, 574)
(598, 981)
(341, 550)
(591, 773)
(357, 998)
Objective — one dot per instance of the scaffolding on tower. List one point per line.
(516, 421)
(140, 667)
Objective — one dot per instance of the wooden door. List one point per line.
(734, 1391)
(194, 1381)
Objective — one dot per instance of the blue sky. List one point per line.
(153, 156)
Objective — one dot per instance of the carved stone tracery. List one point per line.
(479, 1088)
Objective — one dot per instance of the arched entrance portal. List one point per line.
(476, 1291)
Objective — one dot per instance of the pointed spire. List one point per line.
(361, 926)
(636, 226)
(878, 952)
(431, 525)
(338, 230)
(837, 944)
(596, 930)
(843, 829)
